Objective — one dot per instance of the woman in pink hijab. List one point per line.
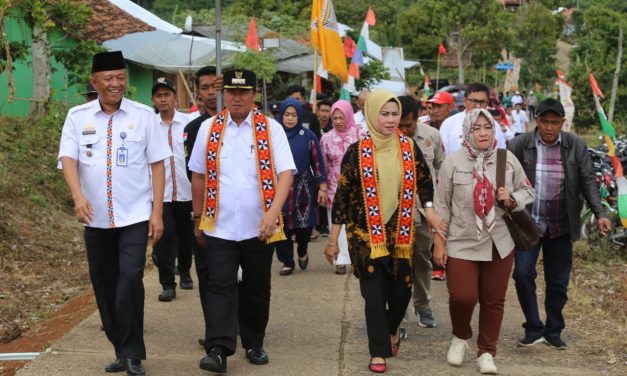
(334, 144)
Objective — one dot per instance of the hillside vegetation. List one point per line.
(42, 261)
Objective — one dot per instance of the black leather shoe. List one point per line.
(167, 295)
(257, 356)
(134, 367)
(117, 366)
(303, 262)
(286, 270)
(186, 281)
(215, 361)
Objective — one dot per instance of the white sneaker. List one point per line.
(455, 355)
(486, 364)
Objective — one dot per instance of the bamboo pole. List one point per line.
(437, 74)
(218, 54)
(315, 82)
(187, 89)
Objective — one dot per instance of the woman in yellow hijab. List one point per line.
(380, 177)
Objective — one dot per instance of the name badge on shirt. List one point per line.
(89, 130)
(122, 157)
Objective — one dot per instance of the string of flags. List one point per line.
(609, 133)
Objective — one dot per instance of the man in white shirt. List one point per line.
(520, 119)
(359, 115)
(226, 163)
(112, 159)
(178, 235)
(476, 96)
(517, 99)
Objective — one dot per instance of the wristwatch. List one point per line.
(195, 215)
(428, 204)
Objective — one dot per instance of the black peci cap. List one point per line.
(239, 79)
(550, 104)
(107, 61)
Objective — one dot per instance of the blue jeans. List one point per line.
(558, 260)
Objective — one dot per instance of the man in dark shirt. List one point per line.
(323, 113)
(207, 85)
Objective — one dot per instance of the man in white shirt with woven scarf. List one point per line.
(242, 170)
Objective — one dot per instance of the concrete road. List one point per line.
(316, 327)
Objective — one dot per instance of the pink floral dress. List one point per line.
(333, 148)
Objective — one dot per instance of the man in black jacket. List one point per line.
(559, 167)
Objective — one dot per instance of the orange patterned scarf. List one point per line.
(370, 187)
(265, 171)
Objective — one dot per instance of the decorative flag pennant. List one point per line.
(609, 133)
(353, 70)
(322, 72)
(358, 57)
(252, 41)
(361, 43)
(326, 38)
(349, 47)
(565, 97)
(370, 17)
(318, 84)
(347, 89)
(441, 49)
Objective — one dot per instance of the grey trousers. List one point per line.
(422, 267)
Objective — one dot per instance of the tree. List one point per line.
(597, 49)
(536, 31)
(69, 18)
(261, 62)
(371, 74)
(475, 27)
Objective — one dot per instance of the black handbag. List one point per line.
(521, 226)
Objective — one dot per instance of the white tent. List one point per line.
(170, 52)
(166, 48)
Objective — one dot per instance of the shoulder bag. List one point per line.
(521, 226)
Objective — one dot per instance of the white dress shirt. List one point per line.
(452, 137)
(360, 119)
(183, 185)
(520, 118)
(239, 201)
(193, 115)
(84, 138)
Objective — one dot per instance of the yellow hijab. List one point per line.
(387, 153)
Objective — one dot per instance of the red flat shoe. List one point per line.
(396, 347)
(377, 367)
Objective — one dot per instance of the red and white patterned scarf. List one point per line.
(483, 191)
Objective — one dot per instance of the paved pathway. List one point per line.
(316, 328)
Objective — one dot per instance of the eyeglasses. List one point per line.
(478, 102)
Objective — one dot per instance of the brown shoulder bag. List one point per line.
(521, 226)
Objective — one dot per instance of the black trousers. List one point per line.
(177, 239)
(323, 223)
(227, 303)
(116, 259)
(285, 248)
(386, 301)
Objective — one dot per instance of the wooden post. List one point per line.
(619, 58)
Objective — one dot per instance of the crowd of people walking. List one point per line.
(405, 198)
